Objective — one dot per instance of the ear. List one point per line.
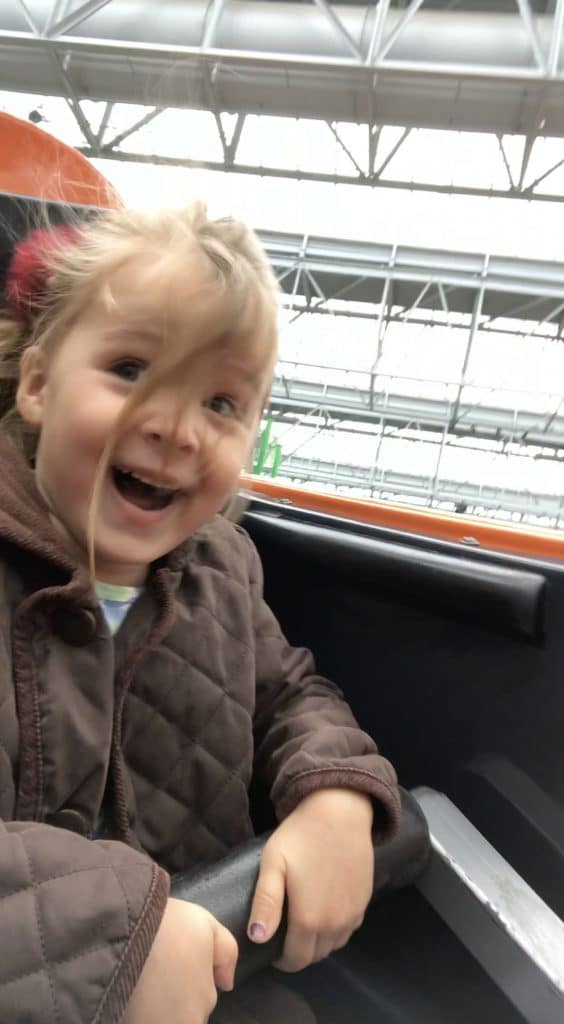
(31, 388)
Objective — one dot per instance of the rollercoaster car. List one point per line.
(446, 636)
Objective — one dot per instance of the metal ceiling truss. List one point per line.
(374, 63)
(320, 419)
(399, 284)
(421, 279)
(422, 318)
(465, 497)
(379, 403)
(372, 179)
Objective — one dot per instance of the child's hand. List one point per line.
(192, 955)
(322, 857)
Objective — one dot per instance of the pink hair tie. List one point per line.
(29, 271)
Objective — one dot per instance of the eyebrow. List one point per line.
(132, 332)
(251, 378)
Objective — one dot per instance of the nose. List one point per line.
(169, 423)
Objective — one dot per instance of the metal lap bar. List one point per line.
(512, 933)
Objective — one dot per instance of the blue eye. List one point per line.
(128, 369)
(222, 404)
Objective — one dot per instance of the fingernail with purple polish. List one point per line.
(257, 931)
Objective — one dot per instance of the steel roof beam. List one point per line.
(363, 405)
(371, 180)
(75, 18)
(425, 68)
(360, 270)
(549, 506)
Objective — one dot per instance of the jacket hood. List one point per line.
(24, 516)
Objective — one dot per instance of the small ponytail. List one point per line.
(30, 270)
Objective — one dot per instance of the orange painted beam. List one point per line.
(37, 165)
(485, 533)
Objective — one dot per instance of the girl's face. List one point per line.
(178, 457)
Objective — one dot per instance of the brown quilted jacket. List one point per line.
(168, 718)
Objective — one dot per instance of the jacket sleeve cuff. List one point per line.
(384, 794)
(136, 951)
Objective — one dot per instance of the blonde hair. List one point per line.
(242, 286)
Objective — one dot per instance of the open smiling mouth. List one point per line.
(140, 493)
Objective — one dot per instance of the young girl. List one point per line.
(143, 678)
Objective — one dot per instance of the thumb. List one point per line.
(268, 900)
(225, 953)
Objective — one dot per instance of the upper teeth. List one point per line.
(146, 480)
